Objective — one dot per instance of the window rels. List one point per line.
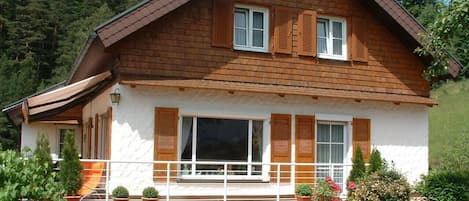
(331, 37)
(251, 28)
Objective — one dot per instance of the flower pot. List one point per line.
(120, 199)
(72, 198)
(150, 199)
(303, 198)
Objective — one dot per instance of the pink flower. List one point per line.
(351, 185)
(329, 179)
(336, 188)
(335, 199)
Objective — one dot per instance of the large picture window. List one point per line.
(221, 140)
(331, 38)
(330, 143)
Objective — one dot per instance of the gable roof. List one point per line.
(150, 10)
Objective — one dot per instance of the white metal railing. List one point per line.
(276, 181)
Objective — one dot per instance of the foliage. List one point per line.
(445, 185)
(43, 150)
(386, 184)
(120, 192)
(327, 189)
(150, 192)
(304, 190)
(449, 32)
(376, 162)
(449, 130)
(70, 167)
(23, 178)
(358, 167)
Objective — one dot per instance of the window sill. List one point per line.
(322, 56)
(248, 49)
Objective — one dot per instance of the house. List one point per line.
(242, 92)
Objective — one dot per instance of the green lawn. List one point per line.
(449, 120)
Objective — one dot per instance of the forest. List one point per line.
(39, 40)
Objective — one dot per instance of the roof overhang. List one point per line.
(284, 90)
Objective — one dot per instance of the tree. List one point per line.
(70, 167)
(376, 162)
(358, 166)
(42, 151)
(448, 35)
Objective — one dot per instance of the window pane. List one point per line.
(257, 38)
(257, 130)
(337, 153)
(323, 133)
(186, 138)
(258, 20)
(222, 139)
(240, 36)
(323, 153)
(322, 28)
(337, 133)
(337, 29)
(240, 18)
(337, 47)
(322, 45)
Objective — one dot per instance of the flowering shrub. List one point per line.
(328, 190)
(382, 185)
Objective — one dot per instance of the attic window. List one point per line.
(332, 41)
(251, 28)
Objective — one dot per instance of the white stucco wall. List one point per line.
(400, 132)
(30, 133)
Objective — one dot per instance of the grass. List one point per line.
(449, 120)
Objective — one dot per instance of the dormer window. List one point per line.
(251, 28)
(332, 42)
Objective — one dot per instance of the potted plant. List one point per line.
(70, 169)
(150, 194)
(303, 192)
(120, 193)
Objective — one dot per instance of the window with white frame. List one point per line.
(331, 38)
(330, 150)
(62, 133)
(221, 140)
(251, 28)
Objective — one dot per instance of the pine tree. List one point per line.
(42, 152)
(70, 167)
(358, 166)
(376, 162)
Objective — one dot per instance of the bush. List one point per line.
(386, 184)
(376, 162)
(23, 178)
(150, 192)
(43, 151)
(445, 185)
(327, 189)
(70, 167)
(358, 166)
(304, 190)
(120, 192)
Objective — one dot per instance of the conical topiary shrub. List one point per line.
(70, 167)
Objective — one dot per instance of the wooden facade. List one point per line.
(180, 46)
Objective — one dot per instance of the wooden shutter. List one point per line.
(305, 147)
(280, 130)
(165, 142)
(361, 136)
(283, 30)
(222, 23)
(307, 36)
(359, 40)
(109, 133)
